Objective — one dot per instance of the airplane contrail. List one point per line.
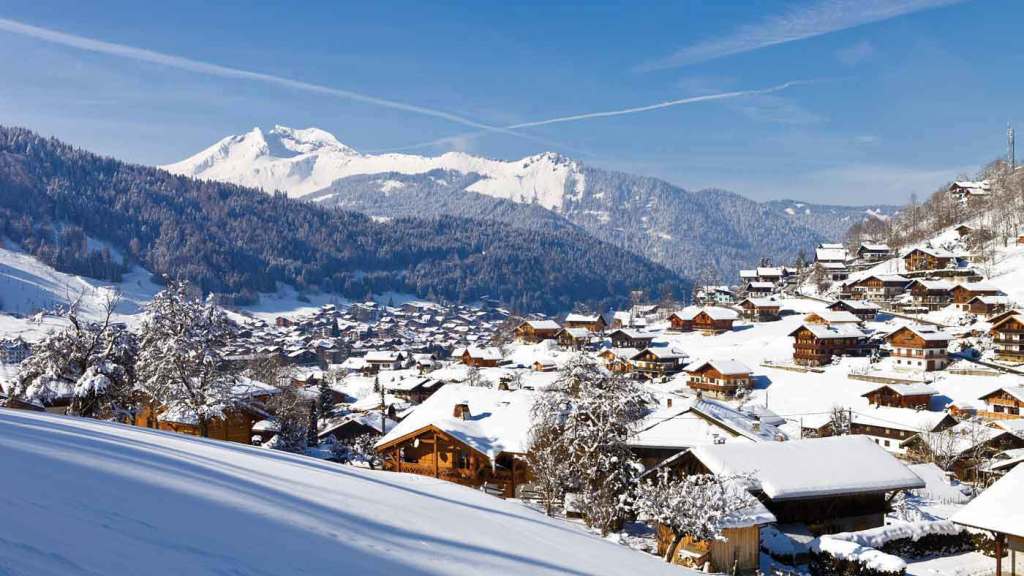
(659, 105)
(610, 113)
(181, 63)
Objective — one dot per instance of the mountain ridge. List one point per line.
(709, 233)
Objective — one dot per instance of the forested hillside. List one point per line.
(237, 241)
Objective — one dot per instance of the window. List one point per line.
(997, 408)
(886, 443)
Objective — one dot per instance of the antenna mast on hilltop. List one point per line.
(1011, 157)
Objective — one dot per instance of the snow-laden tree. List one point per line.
(294, 414)
(697, 506)
(93, 363)
(180, 366)
(578, 439)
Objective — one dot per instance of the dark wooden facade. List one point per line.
(1002, 405)
(810, 349)
(431, 451)
(1008, 338)
(707, 378)
(918, 259)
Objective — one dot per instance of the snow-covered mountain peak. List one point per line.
(304, 161)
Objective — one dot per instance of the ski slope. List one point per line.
(82, 497)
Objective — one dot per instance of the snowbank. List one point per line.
(86, 497)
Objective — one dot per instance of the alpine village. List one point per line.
(244, 363)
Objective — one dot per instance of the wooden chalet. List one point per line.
(670, 430)
(630, 338)
(658, 361)
(891, 427)
(816, 345)
(378, 360)
(834, 484)
(414, 389)
(931, 294)
(574, 338)
(963, 191)
(589, 322)
(709, 320)
(878, 288)
(964, 292)
(759, 289)
(863, 309)
(719, 377)
(533, 331)
(873, 252)
(347, 428)
(915, 396)
(920, 259)
(464, 434)
(1006, 403)
(831, 254)
(481, 357)
(999, 510)
(919, 347)
(760, 309)
(1008, 336)
(618, 360)
(234, 425)
(967, 447)
(987, 306)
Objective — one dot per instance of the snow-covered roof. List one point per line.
(925, 332)
(762, 302)
(726, 367)
(999, 508)
(920, 389)
(498, 421)
(714, 312)
(811, 468)
(833, 331)
(831, 254)
(543, 324)
(900, 418)
(368, 419)
(661, 353)
(483, 353)
(1015, 391)
(874, 247)
(588, 318)
(760, 285)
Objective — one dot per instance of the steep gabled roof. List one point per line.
(811, 468)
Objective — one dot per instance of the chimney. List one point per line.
(668, 403)
(756, 425)
(461, 411)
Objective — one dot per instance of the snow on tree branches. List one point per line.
(697, 506)
(180, 367)
(578, 439)
(92, 364)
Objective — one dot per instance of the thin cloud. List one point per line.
(172, 61)
(822, 17)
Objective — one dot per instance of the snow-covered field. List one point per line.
(82, 497)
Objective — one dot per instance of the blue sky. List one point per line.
(891, 97)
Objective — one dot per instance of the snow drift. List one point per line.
(86, 497)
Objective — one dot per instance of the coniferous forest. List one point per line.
(237, 242)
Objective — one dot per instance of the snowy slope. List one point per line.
(28, 287)
(86, 497)
(304, 161)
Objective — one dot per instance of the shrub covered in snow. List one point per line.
(831, 556)
(913, 539)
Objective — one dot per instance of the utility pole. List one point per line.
(383, 410)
